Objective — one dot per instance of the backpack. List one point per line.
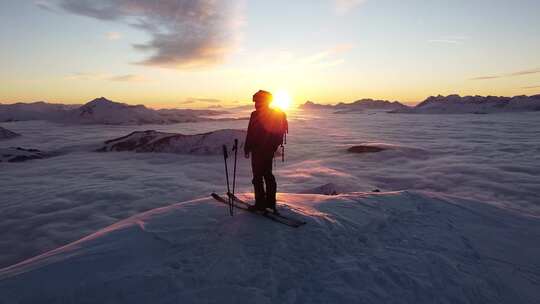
(279, 128)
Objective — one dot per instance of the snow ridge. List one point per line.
(393, 247)
(153, 141)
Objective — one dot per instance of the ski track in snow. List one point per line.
(48, 203)
(394, 247)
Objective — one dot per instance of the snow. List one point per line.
(393, 247)
(7, 134)
(153, 141)
(326, 189)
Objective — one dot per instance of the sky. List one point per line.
(196, 54)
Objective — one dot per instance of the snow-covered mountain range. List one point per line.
(34, 111)
(7, 134)
(357, 106)
(451, 104)
(161, 142)
(455, 104)
(101, 111)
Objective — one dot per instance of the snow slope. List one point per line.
(154, 141)
(7, 134)
(393, 247)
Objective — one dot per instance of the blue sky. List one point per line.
(322, 50)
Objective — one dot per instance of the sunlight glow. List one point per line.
(282, 100)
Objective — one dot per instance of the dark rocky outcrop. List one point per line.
(7, 134)
(18, 154)
(365, 149)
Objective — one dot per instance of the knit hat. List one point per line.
(262, 96)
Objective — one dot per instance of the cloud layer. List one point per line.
(184, 33)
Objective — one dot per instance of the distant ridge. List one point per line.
(451, 104)
(358, 105)
(455, 104)
(38, 110)
(101, 111)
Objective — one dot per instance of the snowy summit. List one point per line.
(394, 247)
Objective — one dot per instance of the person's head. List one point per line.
(262, 99)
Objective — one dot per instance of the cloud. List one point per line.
(113, 36)
(532, 87)
(485, 77)
(128, 78)
(107, 77)
(45, 5)
(87, 76)
(327, 58)
(183, 33)
(449, 40)
(191, 100)
(345, 6)
(513, 74)
(525, 72)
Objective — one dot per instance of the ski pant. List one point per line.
(261, 165)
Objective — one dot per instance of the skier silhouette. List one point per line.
(266, 132)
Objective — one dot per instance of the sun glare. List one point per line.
(282, 100)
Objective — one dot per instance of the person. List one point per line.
(266, 131)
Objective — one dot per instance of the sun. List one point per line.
(282, 100)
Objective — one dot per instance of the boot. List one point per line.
(271, 188)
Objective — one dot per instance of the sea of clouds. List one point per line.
(48, 203)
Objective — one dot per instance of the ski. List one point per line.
(296, 222)
(271, 216)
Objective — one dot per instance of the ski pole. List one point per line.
(225, 156)
(235, 148)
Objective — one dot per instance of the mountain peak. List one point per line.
(100, 100)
